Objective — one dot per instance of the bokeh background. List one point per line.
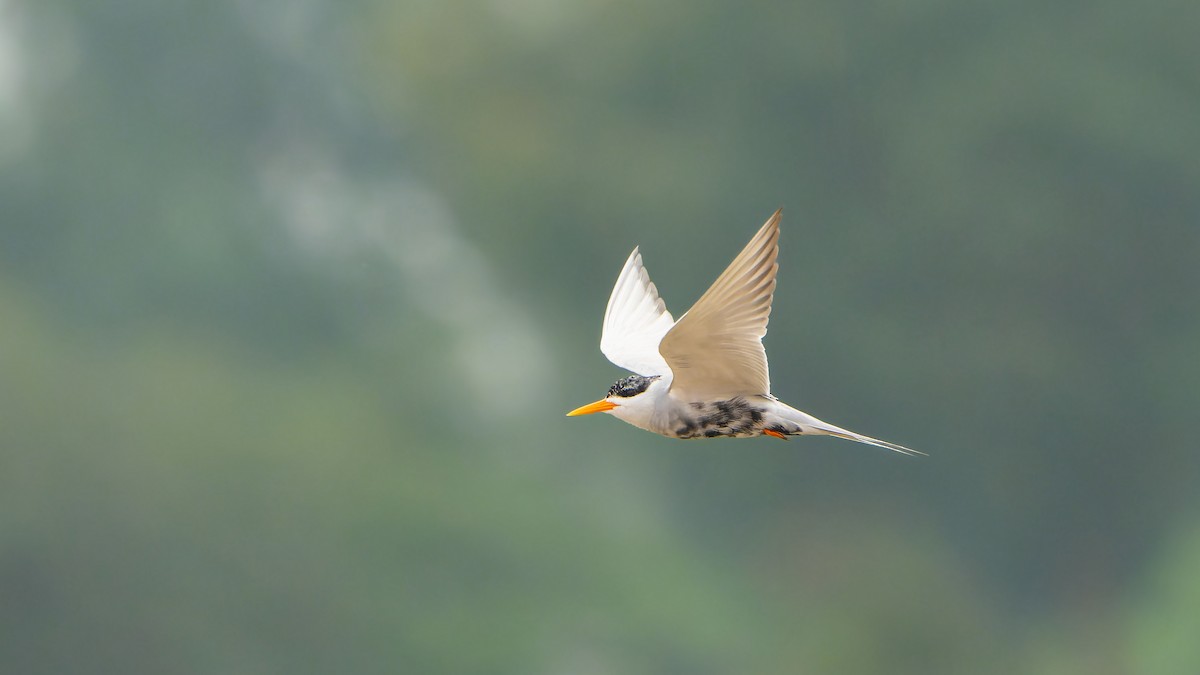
(294, 295)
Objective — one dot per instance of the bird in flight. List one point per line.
(705, 375)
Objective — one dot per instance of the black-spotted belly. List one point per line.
(736, 417)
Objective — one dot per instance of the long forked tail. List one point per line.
(811, 425)
(851, 436)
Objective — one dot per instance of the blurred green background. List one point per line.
(294, 296)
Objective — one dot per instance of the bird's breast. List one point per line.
(739, 416)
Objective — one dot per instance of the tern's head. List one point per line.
(630, 398)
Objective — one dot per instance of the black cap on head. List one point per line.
(631, 386)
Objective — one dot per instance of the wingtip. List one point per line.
(770, 229)
(634, 259)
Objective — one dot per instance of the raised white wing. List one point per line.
(715, 350)
(635, 321)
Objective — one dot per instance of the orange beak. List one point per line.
(599, 406)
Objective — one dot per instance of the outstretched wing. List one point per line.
(715, 350)
(635, 321)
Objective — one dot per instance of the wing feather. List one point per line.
(715, 349)
(635, 321)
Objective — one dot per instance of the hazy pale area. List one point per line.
(294, 297)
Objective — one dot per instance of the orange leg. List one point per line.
(776, 434)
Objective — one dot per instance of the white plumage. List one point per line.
(635, 320)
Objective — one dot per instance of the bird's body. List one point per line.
(705, 375)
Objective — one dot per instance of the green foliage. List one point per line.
(1164, 622)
